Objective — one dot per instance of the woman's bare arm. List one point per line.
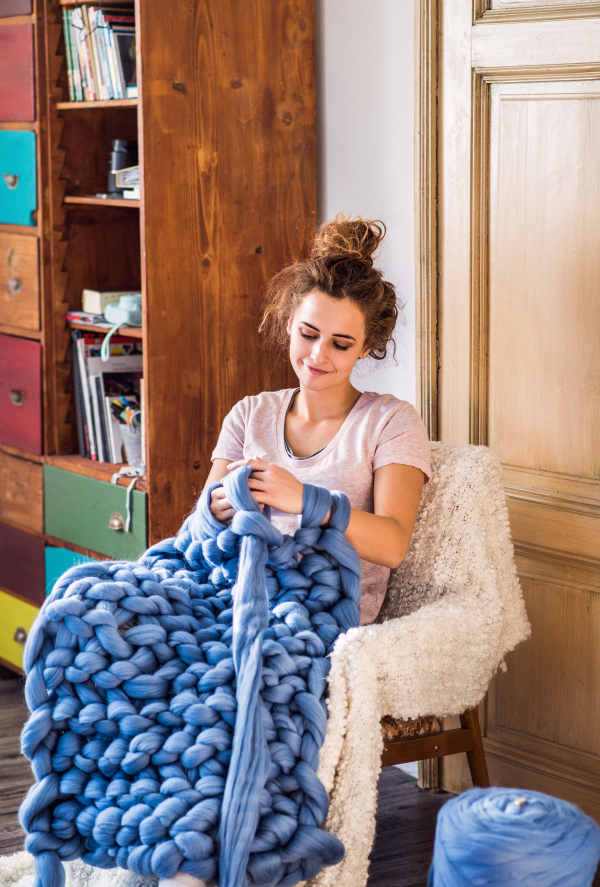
(381, 538)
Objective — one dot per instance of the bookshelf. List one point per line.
(225, 122)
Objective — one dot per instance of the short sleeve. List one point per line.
(230, 444)
(403, 441)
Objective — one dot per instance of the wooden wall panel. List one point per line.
(544, 269)
(229, 154)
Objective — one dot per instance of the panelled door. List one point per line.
(519, 351)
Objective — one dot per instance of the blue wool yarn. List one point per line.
(505, 836)
(178, 702)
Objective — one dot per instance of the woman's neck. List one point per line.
(320, 406)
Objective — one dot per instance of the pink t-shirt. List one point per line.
(379, 430)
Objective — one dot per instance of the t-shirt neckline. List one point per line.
(316, 457)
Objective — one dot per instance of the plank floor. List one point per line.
(405, 817)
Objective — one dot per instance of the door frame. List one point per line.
(426, 217)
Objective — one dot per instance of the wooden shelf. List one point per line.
(135, 332)
(98, 470)
(127, 3)
(20, 454)
(17, 331)
(111, 103)
(5, 228)
(103, 201)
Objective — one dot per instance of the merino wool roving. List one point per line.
(177, 703)
(502, 836)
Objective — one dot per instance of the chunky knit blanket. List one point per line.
(454, 609)
(178, 702)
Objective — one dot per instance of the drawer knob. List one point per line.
(11, 181)
(15, 285)
(17, 397)
(20, 636)
(116, 522)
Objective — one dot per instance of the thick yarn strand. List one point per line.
(178, 702)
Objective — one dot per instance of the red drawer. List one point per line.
(16, 73)
(22, 564)
(21, 394)
(15, 7)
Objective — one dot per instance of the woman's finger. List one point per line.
(255, 462)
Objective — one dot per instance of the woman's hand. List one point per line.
(272, 485)
(220, 505)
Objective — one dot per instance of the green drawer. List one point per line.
(78, 509)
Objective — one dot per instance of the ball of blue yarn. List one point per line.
(510, 836)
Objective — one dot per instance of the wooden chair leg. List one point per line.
(476, 758)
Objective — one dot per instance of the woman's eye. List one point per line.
(341, 347)
(304, 336)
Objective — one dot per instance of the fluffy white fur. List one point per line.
(454, 609)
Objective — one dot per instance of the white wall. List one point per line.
(365, 130)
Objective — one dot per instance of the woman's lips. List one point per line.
(315, 371)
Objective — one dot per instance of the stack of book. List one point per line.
(100, 52)
(107, 393)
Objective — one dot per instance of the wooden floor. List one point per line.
(405, 817)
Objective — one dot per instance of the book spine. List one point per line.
(101, 419)
(68, 56)
(87, 406)
(79, 29)
(96, 415)
(77, 87)
(104, 48)
(117, 56)
(112, 61)
(81, 432)
(99, 55)
(90, 60)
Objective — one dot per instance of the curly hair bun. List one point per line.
(349, 238)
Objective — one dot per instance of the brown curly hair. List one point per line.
(341, 266)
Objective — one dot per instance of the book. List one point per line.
(114, 432)
(87, 403)
(124, 42)
(81, 430)
(98, 419)
(94, 302)
(100, 52)
(89, 43)
(68, 57)
(128, 177)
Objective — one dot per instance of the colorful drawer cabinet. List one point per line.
(22, 566)
(17, 101)
(19, 281)
(16, 622)
(18, 180)
(21, 393)
(78, 509)
(58, 561)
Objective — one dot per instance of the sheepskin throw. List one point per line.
(178, 702)
(453, 610)
(461, 611)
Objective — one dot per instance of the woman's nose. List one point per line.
(317, 352)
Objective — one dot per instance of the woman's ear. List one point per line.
(289, 326)
(365, 352)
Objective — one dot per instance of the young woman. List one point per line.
(334, 309)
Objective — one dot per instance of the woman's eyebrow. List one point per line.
(336, 335)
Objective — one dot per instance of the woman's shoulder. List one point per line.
(258, 403)
(383, 408)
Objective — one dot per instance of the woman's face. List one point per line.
(327, 337)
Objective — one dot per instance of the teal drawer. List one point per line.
(18, 188)
(78, 509)
(58, 561)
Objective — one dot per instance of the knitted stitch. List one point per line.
(178, 702)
